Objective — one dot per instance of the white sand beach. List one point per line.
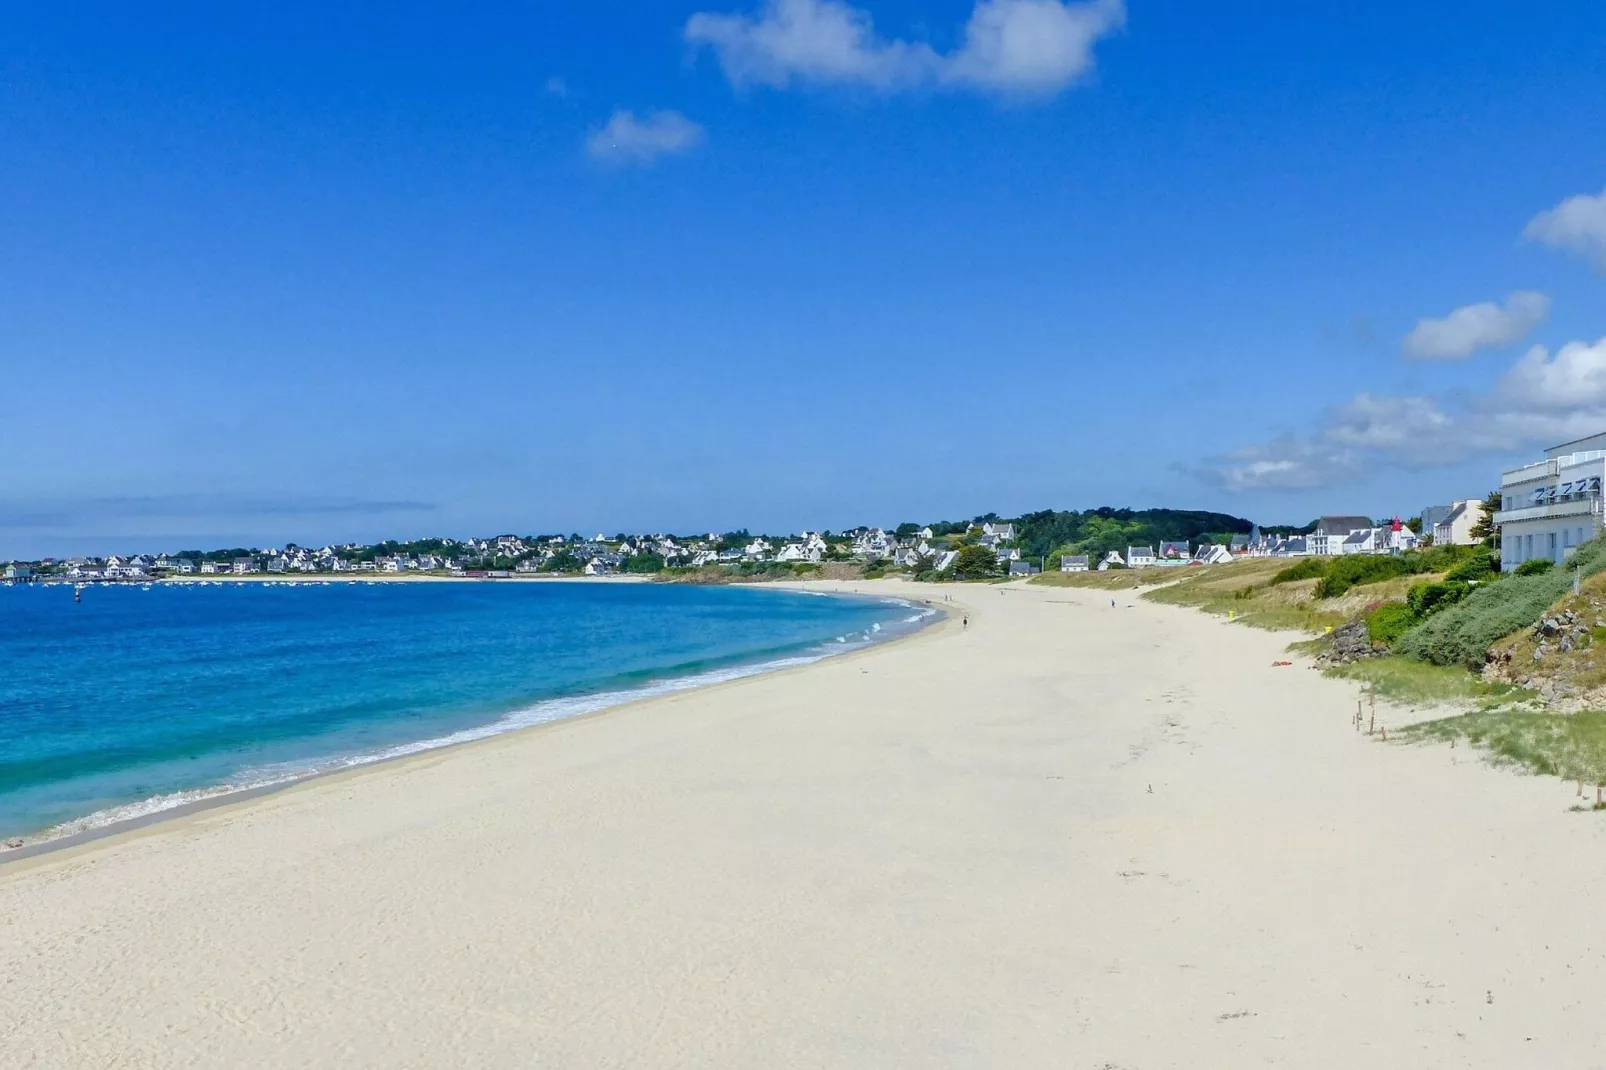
(1069, 835)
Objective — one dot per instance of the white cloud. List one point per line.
(1574, 378)
(1286, 463)
(557, 87)
(629, 139)
(1010, 46)
(1577, 224)
(1474, 327)
(1031, 46)
(808, 40)
(1541, 400)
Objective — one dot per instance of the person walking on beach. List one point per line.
(964, 622)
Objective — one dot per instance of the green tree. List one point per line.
(1484, 530)
(974, 563)
(644, 563)
(904, 531)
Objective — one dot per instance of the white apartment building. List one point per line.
(1550, 507)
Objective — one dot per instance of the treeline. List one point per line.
(1098, 531)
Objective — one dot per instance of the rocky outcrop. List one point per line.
(1350, 644)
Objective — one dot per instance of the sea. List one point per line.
(139, 698)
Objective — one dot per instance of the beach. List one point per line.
(1065, 834)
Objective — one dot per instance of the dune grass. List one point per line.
(1571, 746)
(1243, 591)
(1116, 579)
(1410, 682)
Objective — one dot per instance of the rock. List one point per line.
(1350, 643)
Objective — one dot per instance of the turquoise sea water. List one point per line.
(142, 698)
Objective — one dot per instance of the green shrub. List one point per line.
(1357, 569)
(1360, 569)
(1441, 558)
(1311, 568)
(1427, 598)
(1537, 567)
(1389, 621)
(1463, 633)
(1479, 568)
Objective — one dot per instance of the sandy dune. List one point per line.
(945, 852)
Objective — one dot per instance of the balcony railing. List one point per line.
(1579, 507)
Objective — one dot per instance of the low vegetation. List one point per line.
(1416, 683)
(759, 572)
(1463, 633)
(1570, 746)
(1336, 575)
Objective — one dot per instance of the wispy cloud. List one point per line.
(631, 139)
(47, 513)
(1016, 47)
(1474, 327)
(1577, 224)
(1542, 399)
(557, 87)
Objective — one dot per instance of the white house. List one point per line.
(1207, 554)
(1332, 531)
(946, 561)
(1360, 541)
(1455, 529)
(244, 565)
(19, 572)
(1073, 563)
(797, 551)
(873, 543)
(1139, 556)
(1113, 559)
(1551, 507)
(1000, 532)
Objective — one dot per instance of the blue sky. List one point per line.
(319, 272)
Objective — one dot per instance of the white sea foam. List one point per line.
(540, 713)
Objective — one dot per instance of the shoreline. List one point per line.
(41, 845)
(984, 846)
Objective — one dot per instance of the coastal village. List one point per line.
(907, 549)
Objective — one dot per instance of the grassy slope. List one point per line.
(1578, 672)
